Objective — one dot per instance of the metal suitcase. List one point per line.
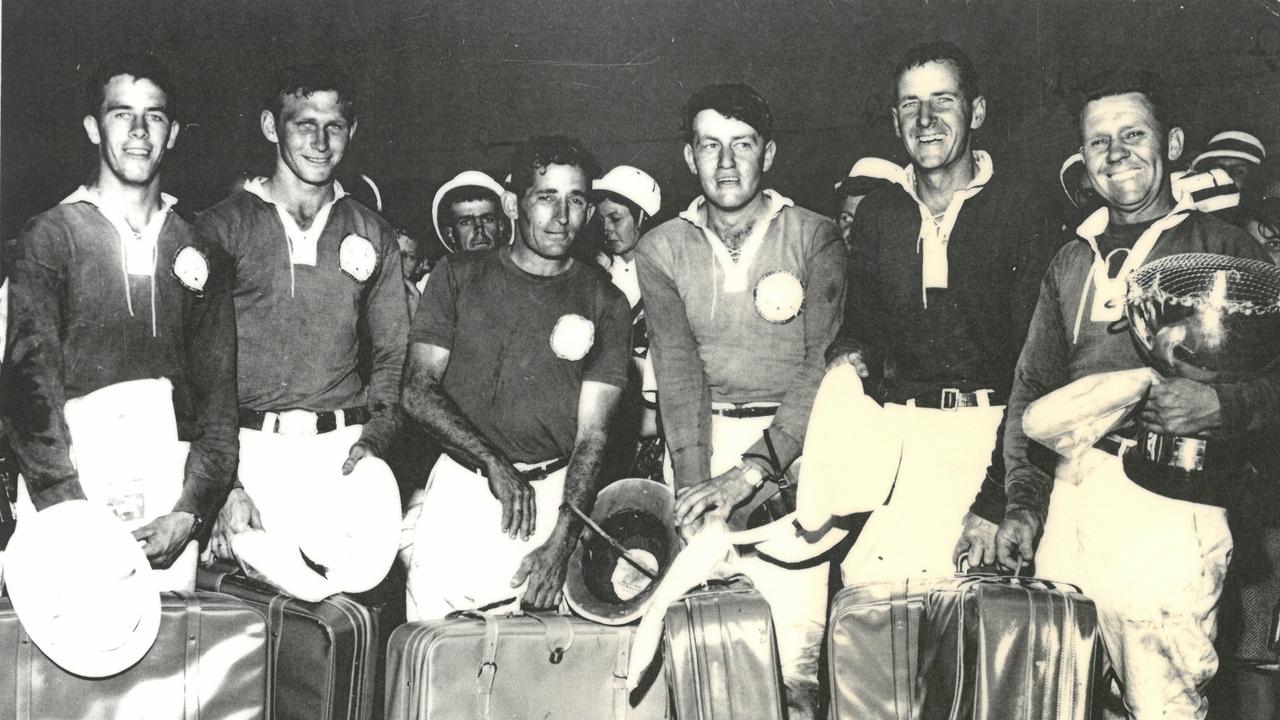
(324, 657)
(872, 648)
(477, 666)
(721, 656)
(209, 662)
(1009, 647)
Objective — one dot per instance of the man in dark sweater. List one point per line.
(112, 286)
(1144, 534)
(317, 275)
(942, 280)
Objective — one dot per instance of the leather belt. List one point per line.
(1175, 451)
(951, 399)
(744, 410)
(1173, 467)
(302, 422)
(533, 472)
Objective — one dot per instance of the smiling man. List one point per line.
(317, 275)
(942, 282)
(516, 361)
(98, 297)
(1146, 535)
(742, 293)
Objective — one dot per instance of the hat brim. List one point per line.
(54, 539)
(367, 501)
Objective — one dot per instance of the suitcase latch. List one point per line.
(557, 654)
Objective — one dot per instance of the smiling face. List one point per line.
(311, 135)
(1124, 155)
(551, 212)
(730, 159)
(132, 130)
(933, 117)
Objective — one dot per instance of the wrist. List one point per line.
(750, 474)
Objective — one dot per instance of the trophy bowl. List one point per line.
(1205, 317)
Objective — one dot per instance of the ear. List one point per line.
(896, 132)
(174, 127)
(1176, 141)
(268, 123)
(978, 112)
(770, 149)
(352, 132)
(688, 159)
(510, 205)
(448, 233)
(91, 129)
(591, 211)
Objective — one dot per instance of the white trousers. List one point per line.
(945, 455)
(797, 597)
(452, 541)
(1155, 568)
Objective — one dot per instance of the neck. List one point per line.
(1158, 208)
(138, 202)
(936, 186)
(737, 221)
(298, 197)
(629, 255)
(533, 263)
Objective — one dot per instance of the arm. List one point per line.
(824, 299)
(33, 388)
(426, 401)
(386, 316)
(1042, 367)
(545, 567)
(684, 399)
(862, 330)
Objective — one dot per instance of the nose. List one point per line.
(725, 161)
(561, 215)
(138, 128)
(925, 117)
(320, 140)
(1117, 152)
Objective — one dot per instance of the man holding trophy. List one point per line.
(1138, 519)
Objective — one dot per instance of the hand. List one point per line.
(1015, 539)
(714, 499)
(855, 359)
(359, 451)
(1178, 406)
(238, 515)
(519, 513)
(166, 537)
(544, 568)
(977, 541)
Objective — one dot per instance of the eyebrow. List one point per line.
(160, 108)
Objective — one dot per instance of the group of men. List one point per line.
(292, 354)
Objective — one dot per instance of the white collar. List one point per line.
(735, 273)
(302, 243)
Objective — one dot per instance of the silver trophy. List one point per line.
(1205, 317)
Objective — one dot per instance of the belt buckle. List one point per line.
(950, 399)
(296, 422)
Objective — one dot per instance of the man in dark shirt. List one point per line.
(1152, 553)
(112, 286)
(317, 275)
(516, 360)
(942, 279)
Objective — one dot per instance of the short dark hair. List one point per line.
(940, 51)
(466, 193)
(1123, 80)
(859, 186)
(141, 67)
(732, 100)
(535, 154)
(305, 80)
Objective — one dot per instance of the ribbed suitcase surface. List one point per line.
(544, 667)
(872, 648)
(323, 656)
(1009, 647)
(721, 656)
(209, 662)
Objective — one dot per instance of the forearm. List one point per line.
(211, 359)
(388, 321)
(1250, 405)
(581, 485)
(427, 403)
(989, 504)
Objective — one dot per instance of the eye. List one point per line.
(943, 101)
(307, 124)
(1098, 143)
(744, 144)
(911, 104)
(1135, 134)
(710, 145)
(577, 201)
(337, 127)
(156, 117)
(122, 114)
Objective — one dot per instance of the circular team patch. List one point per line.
(191, 268)
(357, 257)
(779, 296)
(572, 337)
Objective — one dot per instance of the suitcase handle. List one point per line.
(559, 634)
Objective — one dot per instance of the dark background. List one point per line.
(448, 86)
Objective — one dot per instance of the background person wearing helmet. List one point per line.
(467, 213)
(626, 199)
